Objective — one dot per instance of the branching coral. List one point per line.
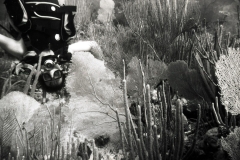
(227, 72)
(159, 132)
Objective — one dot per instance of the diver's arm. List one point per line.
(13, 47)
(87, 46)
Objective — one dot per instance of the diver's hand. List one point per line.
(86, 46)
(96, 51)
(24, 68)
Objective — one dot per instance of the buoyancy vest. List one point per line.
(42, 22)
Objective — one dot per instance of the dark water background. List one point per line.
(2, 10)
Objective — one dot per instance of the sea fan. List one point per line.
(154, 72)
(186, 81)
(227, 72)
(8, 125)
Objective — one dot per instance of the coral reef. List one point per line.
(227, 72)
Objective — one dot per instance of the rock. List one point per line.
(211, 141)
(209, 147)
(102, 140)
(106, 9)
(190, 111)
(82, 150)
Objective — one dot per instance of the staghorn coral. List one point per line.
(162, 134)
(227, 72)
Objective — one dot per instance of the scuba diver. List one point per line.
(44, 28)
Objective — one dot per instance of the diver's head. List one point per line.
(52, 77)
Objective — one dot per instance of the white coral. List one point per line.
(227, 72)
